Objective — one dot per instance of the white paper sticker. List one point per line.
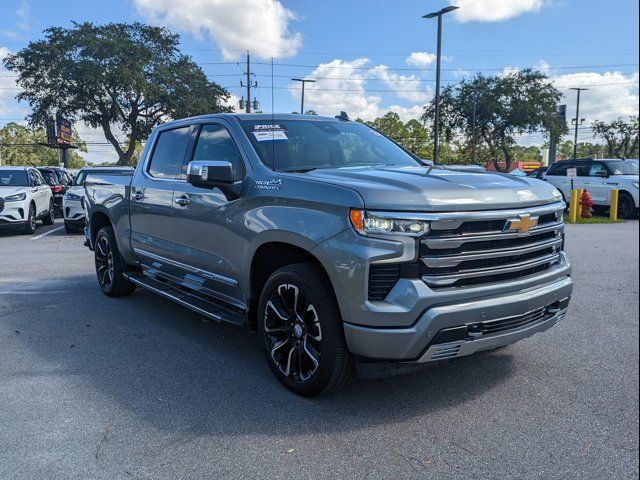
(271, 136)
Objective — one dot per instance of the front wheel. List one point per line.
(50, 216)
(109, 265)
(301, 331)
(30, 226)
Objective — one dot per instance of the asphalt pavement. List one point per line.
(99, 388)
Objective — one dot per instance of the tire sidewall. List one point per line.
(50, 218)
(628, 210)
(30, 227)
(330, 323)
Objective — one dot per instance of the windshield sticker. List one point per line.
(273, 184)
(271, 136)
(268, 127)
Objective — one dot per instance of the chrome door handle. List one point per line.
(138, 195)
(183, 201)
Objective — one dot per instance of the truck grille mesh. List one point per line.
(470, 252)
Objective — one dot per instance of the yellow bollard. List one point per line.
(573, 206)
(613, 211)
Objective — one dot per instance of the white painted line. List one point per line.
(47, 233)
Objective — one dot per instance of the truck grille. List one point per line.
(476, 248)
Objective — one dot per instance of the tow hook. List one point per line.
(475, 330)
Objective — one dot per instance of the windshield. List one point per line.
(302, 145)
(13, 178)
(623, 167)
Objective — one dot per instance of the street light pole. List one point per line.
(303, 81)
(577, 120)
(436, 122)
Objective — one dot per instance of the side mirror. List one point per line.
(212, 174)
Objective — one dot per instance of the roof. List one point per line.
(107, 167)
(252, 117)
(15, 167)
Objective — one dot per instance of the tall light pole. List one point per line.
(577, 120)
(303, 81)
(436, 123)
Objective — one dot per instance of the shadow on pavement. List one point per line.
(168, 367)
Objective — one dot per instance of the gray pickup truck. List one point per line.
(339, 247)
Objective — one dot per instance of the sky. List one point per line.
(367, 57)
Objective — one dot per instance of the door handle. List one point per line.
(137, 195)
(183, 201)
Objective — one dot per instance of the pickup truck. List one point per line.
(344, 251)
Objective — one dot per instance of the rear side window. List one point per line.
(582, 168)
(215, 143)
(168, 154)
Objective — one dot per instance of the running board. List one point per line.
(197, 304)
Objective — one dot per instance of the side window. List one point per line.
(34, 178)
(168, 153)
(597, 170)
(215, 143)
(559, 169)
(582, 168)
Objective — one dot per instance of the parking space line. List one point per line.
(47, 233)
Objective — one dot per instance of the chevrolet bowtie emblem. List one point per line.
(522, 224)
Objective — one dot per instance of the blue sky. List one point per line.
(369, 57)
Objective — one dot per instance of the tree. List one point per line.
(620, 136)
(126, 75)
(584, 150)
(25, 146)
(412, 135)
(506, 105)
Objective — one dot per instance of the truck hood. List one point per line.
(424, 189)
(5, 191)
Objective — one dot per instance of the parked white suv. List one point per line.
(599, 177)
(72, 203)
(24, 198)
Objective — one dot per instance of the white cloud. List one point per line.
(8, 90)
(421, 59)
(610, 95)
(342, 86)
(494, 10)
(261, 26)
(407, 87)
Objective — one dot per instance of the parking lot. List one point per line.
(95, 387)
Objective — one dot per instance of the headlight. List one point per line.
(72, 196)
(557, 194)
(635, 184)
(18, 197)
(367, 224)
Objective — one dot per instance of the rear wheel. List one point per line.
(50, 216)
(30, 226)
(626, 206)
(301, 331)
(109, 265)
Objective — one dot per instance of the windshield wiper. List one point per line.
(302, 170)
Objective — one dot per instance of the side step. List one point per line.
(182, 297)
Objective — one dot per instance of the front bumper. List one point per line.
(423, 341)
(73, 211)
(14, 213)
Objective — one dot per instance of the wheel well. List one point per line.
(269, 258)
(98, 221)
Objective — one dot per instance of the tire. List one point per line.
(301, 331)
(109, 265)
(626, 206)
(50, 217)
(69, 229)
(30, 226)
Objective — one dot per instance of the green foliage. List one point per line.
(620, 136)
(23, 146)
(412, 135)
(129, 75)
(584, 150)
(506, 105)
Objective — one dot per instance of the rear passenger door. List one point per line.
(40, 191)
(598, 183)
(206, 234)
(151, 198)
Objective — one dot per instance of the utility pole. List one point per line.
(303, 81)
(248, 106)
(577, 121)
(436, 123)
